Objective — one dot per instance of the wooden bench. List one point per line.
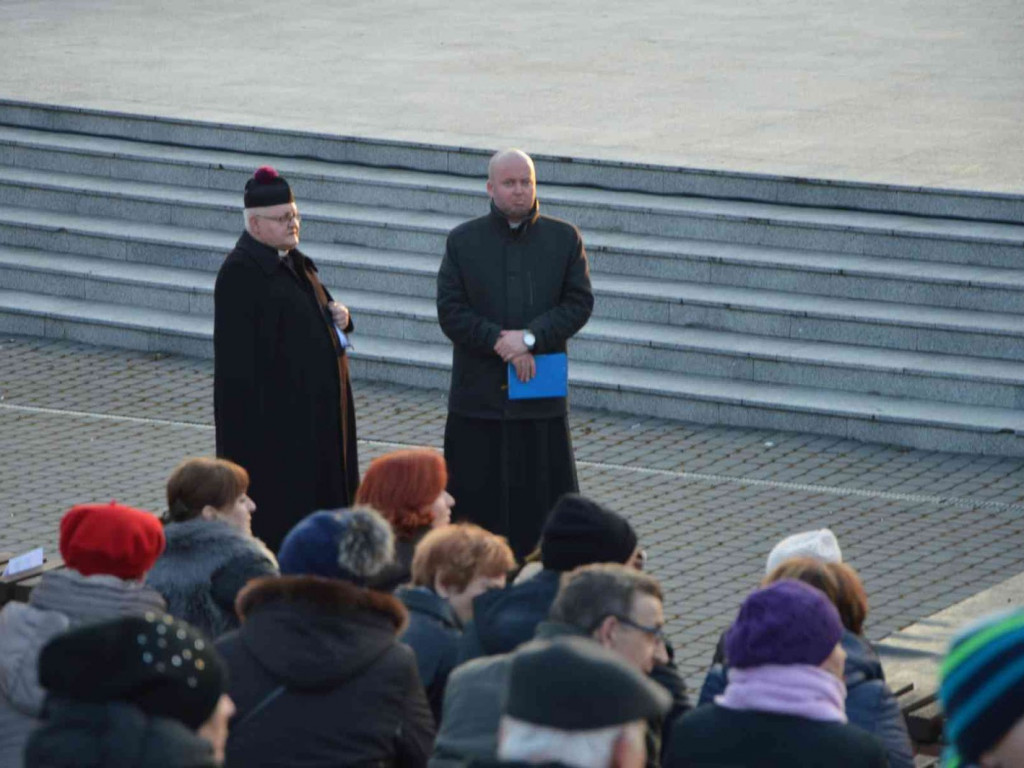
(911, 659)
(20, 586)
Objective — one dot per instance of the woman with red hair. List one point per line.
(408, 488)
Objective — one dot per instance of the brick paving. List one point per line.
(924, 529)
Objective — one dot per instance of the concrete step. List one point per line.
(917, 423)
(574, 171)
(744, 310)
(838, 367)
(169, 246)
(812, 318)
(641, 346)
(809, 272)
(821, 273)
(880, 234)
(863, 311)
(986, 289)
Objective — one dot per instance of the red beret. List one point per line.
(110, 539)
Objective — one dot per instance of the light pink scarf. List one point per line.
(789, 689)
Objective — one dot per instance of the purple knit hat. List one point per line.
(787, 622)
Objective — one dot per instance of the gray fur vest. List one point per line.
(205, 564)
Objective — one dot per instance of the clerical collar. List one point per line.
(283, 254)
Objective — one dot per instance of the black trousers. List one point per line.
(506, 475)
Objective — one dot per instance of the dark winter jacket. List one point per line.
(472, 704)
(716, 737)
(80, 734)
(433, 634)
(283, 406)
(205, 565)
(494, 278)
(398, 571)
(320, 679)
(63, 600)
(504, 619)
(669, 677)
(870, 704)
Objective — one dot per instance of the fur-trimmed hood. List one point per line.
(204, 566)
(314, 632)
(196, 548)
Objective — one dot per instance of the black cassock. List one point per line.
(282, 401)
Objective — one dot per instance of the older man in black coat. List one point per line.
(512, 284)
(282, 401)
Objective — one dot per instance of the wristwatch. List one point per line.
(529, 340)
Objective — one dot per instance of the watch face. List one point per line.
(529, 339)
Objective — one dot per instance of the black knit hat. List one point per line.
(580, 531)
(574, 684)
(160, 664)
(266, 188)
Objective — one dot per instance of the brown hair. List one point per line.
(400, 484)
(457, 554)
(198, 482)
(853, 599)
(809, 570)
(840, 583)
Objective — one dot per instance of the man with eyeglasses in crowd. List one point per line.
(616, 606)
(283, 406)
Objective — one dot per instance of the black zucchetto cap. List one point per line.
(267, 187)
(574, 684)
(158, 663)
(579, 531)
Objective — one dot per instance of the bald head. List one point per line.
(512, 183)
(504, 155)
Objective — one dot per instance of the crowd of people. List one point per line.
(355, 624)
(395, 636)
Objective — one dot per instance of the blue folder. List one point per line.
(552, 379)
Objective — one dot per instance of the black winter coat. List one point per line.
(870, 704)
(494, 278)
(320, 679)
(79, 734)
(504, 619)
(433, 634)
(281, 390)
(716, 737)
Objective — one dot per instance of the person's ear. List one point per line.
(442, 590)
(208, 513)
(604, 631)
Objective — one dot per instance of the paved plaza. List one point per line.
(917, 92)
(925, 530)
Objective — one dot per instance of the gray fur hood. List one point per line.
(203, 545)
(204, 566)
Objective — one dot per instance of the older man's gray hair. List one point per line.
(593, 592)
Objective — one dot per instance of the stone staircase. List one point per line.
(878, 313)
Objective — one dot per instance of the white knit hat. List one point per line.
(821, 545)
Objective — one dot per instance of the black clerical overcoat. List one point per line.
(509, 460)
(282, 401)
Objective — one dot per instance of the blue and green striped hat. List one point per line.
(982, 688)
